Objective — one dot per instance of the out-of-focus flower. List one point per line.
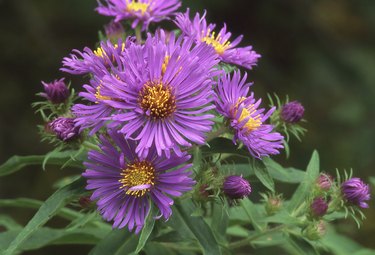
(315, 230)
(236, 187)
(114, 30)
(56, 92)
(355, 191)
(245, 116)
(140, 11)
(292, 112)
(124, 184)
(204, 33)
(64, 128)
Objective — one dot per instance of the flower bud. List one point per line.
(318, 207)
(56, 92)
(324, 182)
(355, 191)
(64, 128)
(273, 204)
(292, 112)
(114, 30)
(85, 202)
(236, 187)
(315, 230)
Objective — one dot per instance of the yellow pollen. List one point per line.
(135, 6)
(99, 52)
(100, 96)
(253, 122)
(216, 42)
(157, 100)
(138, 178)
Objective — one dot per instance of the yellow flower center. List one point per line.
(99, 52)
(138, 178)
(100, 96)
(157, 99)
(135, 6)
(253, 122)
(220, 47)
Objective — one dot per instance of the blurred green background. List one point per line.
(320, 52)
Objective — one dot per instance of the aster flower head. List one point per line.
(292, 112)
(236, 187)
(245, 116)
(139, 11)
(56, 92)
(318, 207)
(97, 62)
(202, 32)
(64, 128)
(355, 191)
(163, 93)
(124, 184)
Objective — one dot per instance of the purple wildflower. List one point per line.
(64, 128)
(236, 187)
(292, 112)
(318, 207)
(356, 192)
(114, 30)
(140, 11)
(245, 117)
(56, 92)
(204, 33)
(163, 93)
(124, 183)
(97, 62)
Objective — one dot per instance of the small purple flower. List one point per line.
(324, 181)
(319, 207)
(64, 128)
(236, 187)
(292, 112)
(201, 32)
(140, 11)
(245, 118)
(114, 30)
(124, 184)
(57, 92)
(356, 192)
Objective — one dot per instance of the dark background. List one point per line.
(320, 52)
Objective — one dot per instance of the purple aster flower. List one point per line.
(64, 128)
(245, 118)
(324, 181)
(356, 192)
(204, 33)
(124, 183)
(318, 207)
(56, 92)
(140, 11)
(97, 62)
(163, 93)
(292, 112)
(236, 187)
(95, 114)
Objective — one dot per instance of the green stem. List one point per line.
(248, 240)
(222, 130)
(180, 247)
(138, 34)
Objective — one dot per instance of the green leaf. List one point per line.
(262, 174)
(304, 189)
(146, 231)
(253, 213)
(50, 207)
(222, 145)
(219, 222)
(287, 175)
(117, 242)
(195, 225)
(16, 163)
(237, 169)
